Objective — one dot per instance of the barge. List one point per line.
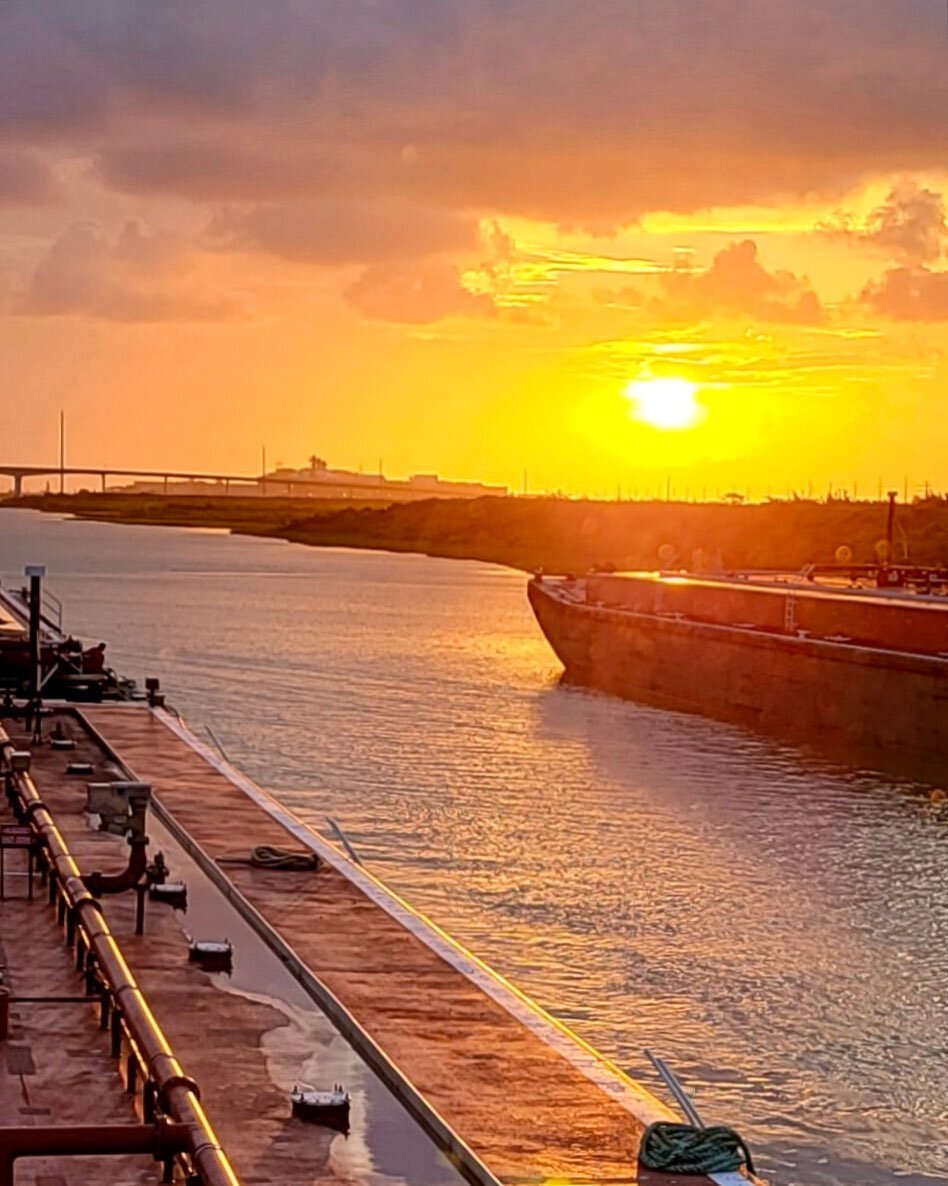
(854, 660)
(119, 1051)
(38, 656)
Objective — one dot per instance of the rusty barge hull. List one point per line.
(868, 704)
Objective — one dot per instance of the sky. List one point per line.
(618, 246)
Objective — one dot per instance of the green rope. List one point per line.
(265, 856)
(681, 1149)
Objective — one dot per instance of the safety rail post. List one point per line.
(168, 1091)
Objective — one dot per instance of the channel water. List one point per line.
(775, 926)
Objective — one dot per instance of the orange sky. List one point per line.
(448, 234)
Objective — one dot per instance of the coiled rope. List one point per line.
(266, 856)
(683, 1149)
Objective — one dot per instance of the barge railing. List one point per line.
(170, 1100)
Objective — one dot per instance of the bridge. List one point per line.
(263, 483)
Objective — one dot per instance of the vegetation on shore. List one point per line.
(558, 535)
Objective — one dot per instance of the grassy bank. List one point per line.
(248, 515)
(555, 534)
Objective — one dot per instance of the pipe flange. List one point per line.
(204, 1147)
(184, 1081)
(31, 808)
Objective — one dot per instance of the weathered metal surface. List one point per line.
(860, 704)
(525, 1110)
(56, 1067)
(177, 1094)
(225, 1040)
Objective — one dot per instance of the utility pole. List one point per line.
(263, 469)
(62, 451)
(889, 527)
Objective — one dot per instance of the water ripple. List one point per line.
(773, 924)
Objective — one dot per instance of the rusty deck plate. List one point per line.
(524, 1109)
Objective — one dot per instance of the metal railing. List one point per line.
(52, 611)
(17, 601)
(170, 1100)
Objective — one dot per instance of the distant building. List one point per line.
(318, 481)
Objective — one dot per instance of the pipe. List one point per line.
(177, 1095)
(161, 1140)
(116, 883)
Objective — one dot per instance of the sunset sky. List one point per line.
(609, 244)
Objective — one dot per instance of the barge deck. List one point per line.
(490, 1078)
(505, 1092)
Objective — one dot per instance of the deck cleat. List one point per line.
(174, 893)
(328, 1108)
(213, 955)
(59, 740)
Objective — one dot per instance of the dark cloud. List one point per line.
(738, 285)
(415, 294)
(911, 225)
(588, 115)
(337, 232)
(909, 294)
(203, 168)
(131, 276)
(25, 179)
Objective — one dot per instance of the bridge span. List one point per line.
(262, 483)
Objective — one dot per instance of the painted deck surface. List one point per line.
(525, 1110)
(231, 1044)
(55, 1067)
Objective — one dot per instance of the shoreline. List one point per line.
(552, 534)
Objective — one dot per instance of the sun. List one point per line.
(665, 403)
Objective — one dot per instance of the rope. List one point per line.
(682, 1149)
(265, 856)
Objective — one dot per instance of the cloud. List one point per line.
(510, 108)
(909, 294)
(911, 225)
(195, 165)
(26, 180)
(133, 276)
(415, 294)
(336, 232)
(737, 285)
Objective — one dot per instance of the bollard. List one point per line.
(4, 1013)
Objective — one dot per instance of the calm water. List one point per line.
(776, 927)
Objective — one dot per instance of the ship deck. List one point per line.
(512, 1097)
(477, 1066)
(55, 1066)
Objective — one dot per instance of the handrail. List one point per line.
(54, 608)
(17, 601)
(168, 1089)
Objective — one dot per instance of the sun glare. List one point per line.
(665, 403)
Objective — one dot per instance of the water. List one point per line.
(774, 926)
